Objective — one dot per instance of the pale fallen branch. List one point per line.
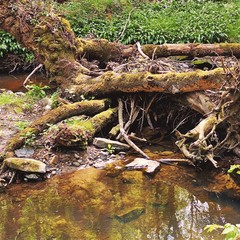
(28, 77)
(140, 51)
(123, 133)
(181, 160)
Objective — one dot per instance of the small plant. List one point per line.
(110, 149)
(54, 99)
(21, 125)
(37, 91)
(231, 231)
(234, 169)
(29, 138)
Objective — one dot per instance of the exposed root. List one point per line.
(123, 133)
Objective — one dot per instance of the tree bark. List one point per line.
(111, 82)
(37, 27)
(192, 50)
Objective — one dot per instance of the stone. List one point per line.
(148, 166)
(130, 214)
(25, 165)
(24, 152)
(32, 176)
(76, 164)
(105, 143)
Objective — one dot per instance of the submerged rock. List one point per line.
(25, 165)
(105, 143)
(130, 214)
(149, 166)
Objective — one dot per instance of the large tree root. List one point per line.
(56, 115)
(207, 139)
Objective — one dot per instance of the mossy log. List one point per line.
(80, 133)
(192, 49)
(56, 115)
(112, 82)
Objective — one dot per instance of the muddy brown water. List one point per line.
(91, 204)
(14, 82)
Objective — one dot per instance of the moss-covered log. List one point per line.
(80, 133)
(112, 82)
(192, 49)
(56, 115)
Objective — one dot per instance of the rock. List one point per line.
(105, 143)
(76, 156)
(76, 164)
(166, 153)
(130, 215)
(26, 164)
(24, 152)
(149, 166)
(32, 177)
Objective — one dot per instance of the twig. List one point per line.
(14, 68)
(183, 160)
(125, 26)
(154, 51)
(125, 136)
(141, 52)
(28, 77)
(135, 138)
(13, 175)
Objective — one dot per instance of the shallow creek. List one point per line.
(14, 82)
(97, 204)
(89, 204)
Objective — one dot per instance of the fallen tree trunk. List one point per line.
(112, 82)
(192, 49)
(56, 115)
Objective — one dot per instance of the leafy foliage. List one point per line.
(158, 22)
(166, 21)
(231, 232)
(36, 91)
(21, 125)
(234, 168)
(8, 45)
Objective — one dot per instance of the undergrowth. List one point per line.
(8, 45)
(160, 22)
(129, 21)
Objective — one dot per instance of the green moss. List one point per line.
(149, 49)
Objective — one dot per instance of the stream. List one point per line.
(90, 204)
(97, 204)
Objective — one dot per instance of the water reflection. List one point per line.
(15, 82)
(88, 204)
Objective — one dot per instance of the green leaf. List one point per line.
(229, 229)
(210, 228)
